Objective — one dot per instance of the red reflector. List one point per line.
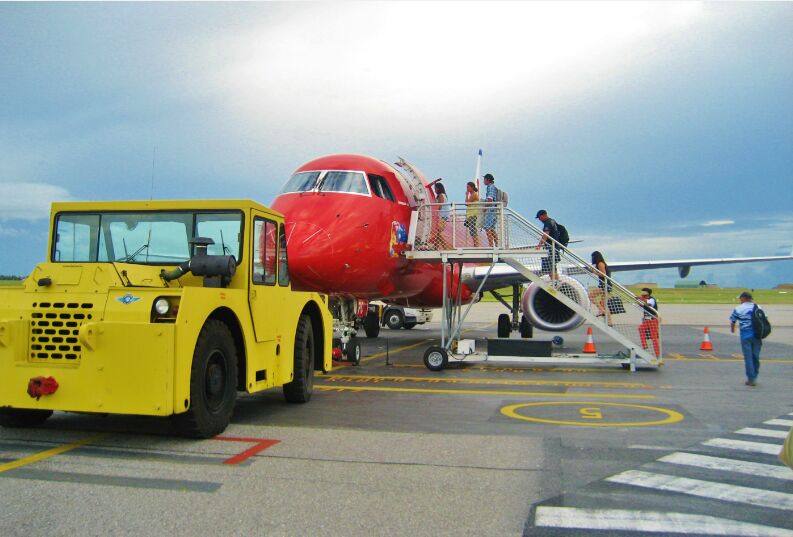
(39, 386)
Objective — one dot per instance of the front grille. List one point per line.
(54, 329)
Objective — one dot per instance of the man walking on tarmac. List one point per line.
(750, 343)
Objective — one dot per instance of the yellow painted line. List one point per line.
(49, 453)
(508, 382)
(672, 416)
(476, 392)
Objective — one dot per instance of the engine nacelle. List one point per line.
(549, 314)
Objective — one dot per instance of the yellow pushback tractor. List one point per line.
(160, 308)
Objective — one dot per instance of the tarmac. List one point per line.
(390, 448)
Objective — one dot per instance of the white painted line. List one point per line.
(786, 423)
(729, 465)
(768, 433)
(742, 445)
(705, 489)
(650, 521)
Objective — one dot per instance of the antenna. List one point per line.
(153, 158)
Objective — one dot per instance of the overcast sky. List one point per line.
(651, 130)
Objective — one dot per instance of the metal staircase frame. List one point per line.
(453, 317)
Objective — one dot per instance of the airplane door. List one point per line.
(269, 281)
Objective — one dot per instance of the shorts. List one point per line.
(490, 219)
(546, 262)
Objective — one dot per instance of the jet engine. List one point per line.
(547, 313)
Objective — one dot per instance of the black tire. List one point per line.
(213, 383)
(410, 326)
(526, 329)
(302, 385)
(504, 325)
(352, 351)
(394, 319)
(371, 324)
(23, 417)
(436, 358)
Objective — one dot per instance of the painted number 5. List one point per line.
(591, 413)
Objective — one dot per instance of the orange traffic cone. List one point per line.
(589, 346)
(706, 344)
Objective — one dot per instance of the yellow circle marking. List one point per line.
(672, 416)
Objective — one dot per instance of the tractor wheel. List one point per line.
(213, 383)
(302, 385)
(23, 417)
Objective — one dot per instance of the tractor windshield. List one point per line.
(150, 237)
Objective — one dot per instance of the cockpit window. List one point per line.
(301, 182)
(380, 187)
(336, 181)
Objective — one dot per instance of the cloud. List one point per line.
(29, 201)
(718, 223)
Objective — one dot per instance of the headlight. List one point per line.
(161, 306)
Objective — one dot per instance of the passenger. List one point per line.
(649, 325)
(440, 217)
(550, 230)
(750, 343)
(491, 210)
(598, 294)
(472, 211)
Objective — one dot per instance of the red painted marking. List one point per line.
(260, 444)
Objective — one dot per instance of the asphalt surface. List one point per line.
(390, 448)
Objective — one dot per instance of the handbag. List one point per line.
(615, 305)
(786, 455)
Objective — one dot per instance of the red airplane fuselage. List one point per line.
(347, 219)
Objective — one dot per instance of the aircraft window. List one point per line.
(301, 182)
(380, 187)
(353, 182)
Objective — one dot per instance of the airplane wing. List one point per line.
(502, 275)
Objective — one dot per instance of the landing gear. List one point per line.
(526, 329)
(352, 351)
(371, 324)
(504, 325)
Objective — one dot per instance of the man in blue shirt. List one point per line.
(750, 344)
(491, 211)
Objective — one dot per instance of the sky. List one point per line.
(650, 130)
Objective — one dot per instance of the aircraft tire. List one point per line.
(371, 324)
(23, 417)
(526, 329)
(504, 325)
(436, 358)
(213, 383)
(394, 319)
(352, 351)
(302, 385)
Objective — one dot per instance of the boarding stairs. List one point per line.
(439, 233)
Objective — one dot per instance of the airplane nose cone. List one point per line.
(309, 249)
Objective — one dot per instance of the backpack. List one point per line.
(502, 197)
(562, 234)
(760, 324)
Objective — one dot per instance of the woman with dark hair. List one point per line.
(472, 211)
(440, 217)
(603, 272)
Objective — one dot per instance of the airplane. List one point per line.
(347, 222)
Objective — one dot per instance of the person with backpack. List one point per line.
(649, 324)
(746, 315)
(550, 230)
